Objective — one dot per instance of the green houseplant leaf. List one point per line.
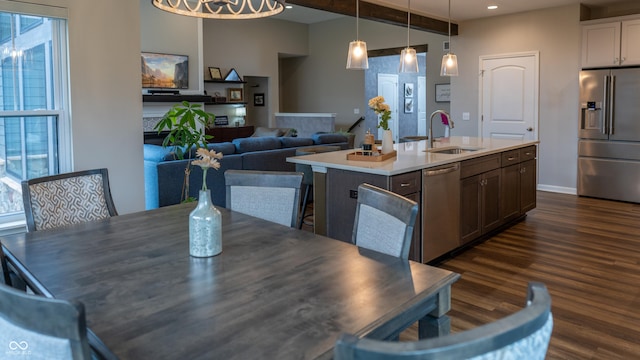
(186, 123)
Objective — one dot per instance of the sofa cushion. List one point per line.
(244, 145)
(225, 148)
(269, 160)
(288, 142)
(157, 153)
(330, 138)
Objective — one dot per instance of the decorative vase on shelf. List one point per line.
(387, 142)
(205, 228)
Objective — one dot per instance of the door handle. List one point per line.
(529, 129)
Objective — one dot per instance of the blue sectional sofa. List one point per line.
(164, 173)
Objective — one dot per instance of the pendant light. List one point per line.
(449, 60)
(357, 58)
(408, 58)
(222, 9)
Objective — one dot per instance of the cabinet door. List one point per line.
(408, 185)
(510, 191)
(630, 38)
(601, 45)
(470, 208)
(527, 186)
(490, 188)
(415, 252)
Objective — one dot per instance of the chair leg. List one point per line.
(305, 202)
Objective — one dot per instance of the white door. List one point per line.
(388, 88)
(509, 96)
(422, 105)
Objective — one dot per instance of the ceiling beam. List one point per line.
(379, 13)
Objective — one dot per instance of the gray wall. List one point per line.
(556, 34)
(106, 106)
(320, 82)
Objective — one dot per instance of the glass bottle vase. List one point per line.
(205, 228)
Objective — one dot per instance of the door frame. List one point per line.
(536, 90)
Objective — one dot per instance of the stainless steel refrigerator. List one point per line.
(609, 144)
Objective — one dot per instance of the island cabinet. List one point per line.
(342, 197)
(518, 188)
(479, 196)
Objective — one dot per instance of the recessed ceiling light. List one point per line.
(492, 7)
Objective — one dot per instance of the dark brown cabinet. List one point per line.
(518, 189)
(228, 133)
(479, 197)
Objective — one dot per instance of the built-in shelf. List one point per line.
(226, 103)
(176, 98)
(225, 81)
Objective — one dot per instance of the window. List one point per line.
(32, 104)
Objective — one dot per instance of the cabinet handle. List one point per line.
(622, 60)
(615, 61)
(405, 184)
(527, 153)
(511, 158)
(523, 170)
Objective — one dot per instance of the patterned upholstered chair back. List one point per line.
(384, 221)
(522, 335)
(269, 195)
(66, 199)
(43, 327)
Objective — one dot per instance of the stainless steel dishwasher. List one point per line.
(440, 210)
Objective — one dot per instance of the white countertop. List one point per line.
(411, 155)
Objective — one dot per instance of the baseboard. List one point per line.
(558, 189)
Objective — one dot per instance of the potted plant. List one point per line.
(186, 123)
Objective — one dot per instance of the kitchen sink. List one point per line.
(454, 150)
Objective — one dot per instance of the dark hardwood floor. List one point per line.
(586, 251)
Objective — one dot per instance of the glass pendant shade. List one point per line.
(449, 65)
(408, 61)
(357, 58)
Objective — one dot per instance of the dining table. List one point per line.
(274, 292)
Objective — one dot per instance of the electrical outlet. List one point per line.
(465, 116)
(356, 111)
(353, 194)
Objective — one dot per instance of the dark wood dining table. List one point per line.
(274, 292)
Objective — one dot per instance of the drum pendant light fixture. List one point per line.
(408, 58)
(357, 59)
(449, 60)
(222, 9)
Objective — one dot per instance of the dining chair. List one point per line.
(44, 328)
(65, 199)
(522, 335)
(384, 221)
(4, 266)
(269, 195)
(307, 179)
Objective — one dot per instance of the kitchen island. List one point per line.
(467, 188)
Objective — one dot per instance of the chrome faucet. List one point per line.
(449, 124)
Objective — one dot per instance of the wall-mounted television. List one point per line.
(165, 71)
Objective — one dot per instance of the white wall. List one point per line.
(106, 106)
(556, 34)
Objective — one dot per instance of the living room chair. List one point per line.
(4, 266)
(66, 199)
(384, 221)
(307, 180)
(43, 327)
(522, 335)
(269, 195)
